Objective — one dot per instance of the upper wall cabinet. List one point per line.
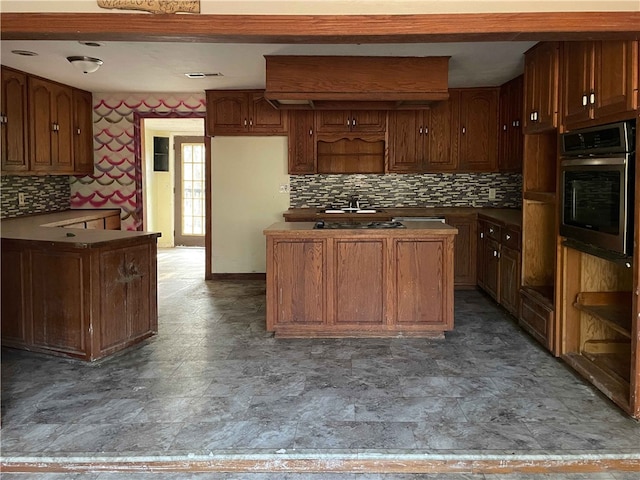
(13, 121)
(510, 126)
(351, 122)
(47, 127)
(243, 112)
(541, 87)
(478, 129)
(302, 142)
(599, 81)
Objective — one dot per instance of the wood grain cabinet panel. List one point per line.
(302, 142)
(14, 127)
(243, 112)
(82, 132)
(441, 146)
(351, 121)
(408, 141)
(541, 70)
(299, 273)
(510, 267)
(465, 249)
(15, 325)
(360, 279)
(600, 80)
(478, 129)
(511, 139)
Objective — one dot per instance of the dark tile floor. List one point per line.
(213, 382)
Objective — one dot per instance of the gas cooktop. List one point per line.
(356, 225)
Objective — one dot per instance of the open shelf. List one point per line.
(612, 308)
(544, 294)
(596, 368)
(539, 196)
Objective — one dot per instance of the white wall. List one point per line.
(246, 176)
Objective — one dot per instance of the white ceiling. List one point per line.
(160, 67)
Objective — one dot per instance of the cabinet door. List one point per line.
(577, 81)
(14, 296)
(360, 278)
(42, 120)
(406, 141)
(62, 324)
(492, 269)
(263, 118)
(141, 290)
(481, 249)
(464, 250)
(478, 129)
(509, 126)
(333, 121)
(616, 77)
(300, 276)
(14, 135)
(547, 87)
(82, 132)
(419, 293)
(302, 145)
(227, 112)
(530, 87)
(510, 280)
(441, 140)
(64, 132)
(373, 121)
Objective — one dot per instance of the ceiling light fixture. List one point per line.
(85, 64)
(90, 44)
(202, 75)
(24, 53)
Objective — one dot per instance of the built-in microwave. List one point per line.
(597, 188)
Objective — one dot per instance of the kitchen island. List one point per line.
(360, 282)
(73, 288)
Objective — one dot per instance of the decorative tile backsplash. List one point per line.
(42, 194)
(404, 190)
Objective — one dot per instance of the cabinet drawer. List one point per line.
(112, 223)
(493, 230)
(536, 318)
(511, 238)
(97, 224)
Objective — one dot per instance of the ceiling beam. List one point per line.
(321, 28)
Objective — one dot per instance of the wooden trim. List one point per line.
(322, 28)
(237, 276)
(208, 247)
(343, 463)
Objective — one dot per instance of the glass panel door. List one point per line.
(190, 212)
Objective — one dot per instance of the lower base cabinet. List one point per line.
(537, 315)
(80, 302)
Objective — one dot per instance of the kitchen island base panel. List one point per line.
(360, 282)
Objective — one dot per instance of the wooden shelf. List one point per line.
(597, 369)
(542, 293)
(612, 308)
(536, 196)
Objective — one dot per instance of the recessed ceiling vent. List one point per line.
(346, 82)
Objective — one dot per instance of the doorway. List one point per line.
(189, 219)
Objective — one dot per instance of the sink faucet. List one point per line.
(354, 202)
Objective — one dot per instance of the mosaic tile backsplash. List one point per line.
(402, 190)
(42, 194)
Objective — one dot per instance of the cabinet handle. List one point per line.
(426, 130)
(507, 236)
(245, 122)
(353, 122)
(517, 123)
(251, 122)
(421, 130)
(78, 131)
(311, 132)
(348, 122)
(464, 130)
(592, 98)
(490, 230)
(504, 127)
(585, 100)
(3, 119)
(481, 234)
(495, 254)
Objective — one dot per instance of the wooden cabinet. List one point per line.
(243, 112)
(51, 133)
(510, 271)
(101, 299)
(465, 249)
(302, 142)
(599, 81)
(408, 141)
(351, 121)
(492, 269)
(510, 126)
(82, 132)
(298, 268)
(13, 121)
(370, 283)
(541, 87)
(478, 129)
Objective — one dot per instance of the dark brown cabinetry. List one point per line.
(13, 121)
(541, 87)
(351, 121)
(82, 132)
(243, 112)
(302, 142)
(464, 249)
(599, 81)
(510, 126)
(478, 129)
(51, 132)
(510, 268)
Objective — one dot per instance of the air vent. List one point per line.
(202, 75)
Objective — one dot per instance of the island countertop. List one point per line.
(412, 229)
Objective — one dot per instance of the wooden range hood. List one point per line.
(347, 82)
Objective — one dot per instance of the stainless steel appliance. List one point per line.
(597, 189)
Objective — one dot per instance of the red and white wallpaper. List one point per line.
(117, 178)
